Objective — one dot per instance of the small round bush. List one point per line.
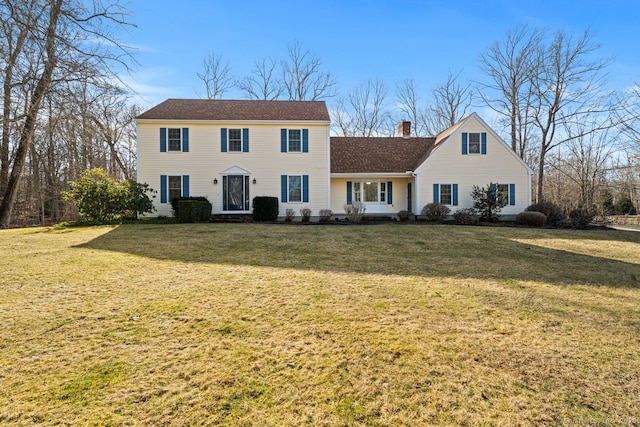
(580, 218)
(467, 216)
(531, 219)
(553, 212)
(435, 211)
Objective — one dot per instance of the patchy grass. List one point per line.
(315, 325)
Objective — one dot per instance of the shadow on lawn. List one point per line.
(421, 250)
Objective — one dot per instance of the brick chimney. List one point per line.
(404, 129)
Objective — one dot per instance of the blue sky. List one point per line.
(391, 40)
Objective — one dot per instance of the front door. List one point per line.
(235, 193)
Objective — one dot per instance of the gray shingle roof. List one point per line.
(237, 110)
(378, 155)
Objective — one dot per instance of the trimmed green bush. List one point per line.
(194, 211)
(553, 212)
(265, 208)
(531, 219)
(176, 200)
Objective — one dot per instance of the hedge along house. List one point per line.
(405, 173)
(231, 151)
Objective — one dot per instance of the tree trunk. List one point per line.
(28, 128)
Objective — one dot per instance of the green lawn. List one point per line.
(385, 325)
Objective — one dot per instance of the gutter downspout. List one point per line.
(416, 201)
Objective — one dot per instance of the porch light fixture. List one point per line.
(254, 181)
(215, 181)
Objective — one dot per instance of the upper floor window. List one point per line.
(474, 143)
(235, 140)
(294, 140)
(174, 140)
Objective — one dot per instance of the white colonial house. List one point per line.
(231, 151)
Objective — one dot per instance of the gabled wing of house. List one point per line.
(406, 173)
(467, 154)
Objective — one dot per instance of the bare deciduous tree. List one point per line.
(408, 102)
(546, 81)
(452, 101)
(567, 91)
(584, 162)
(263, 82)
(303, 78)
(363, 112)
(61, 39)
(216, 76)
(510, 66)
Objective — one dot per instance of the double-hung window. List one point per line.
(175, 187)
(295, 188)
(474, 143)
(505, 193)
(235, 140)
(294, 140)
(174, 139)
(172, 186)
(446, 194)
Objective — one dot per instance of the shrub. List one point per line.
(487, 203)
(100, 198)
(553, 212)
(305, 214)
(289, 214)
(355, 211)
(467, 216)
(580, 218)
(325, 215)
(191, 210)
(531, 219)
(606, 203)
(403, 216)
(435, 211)
(265, 208)
(624, 206)
(176, 200)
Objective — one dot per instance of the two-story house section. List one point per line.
(232, 150)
